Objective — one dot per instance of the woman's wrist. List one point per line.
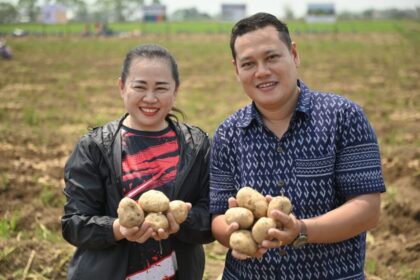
(116, 229)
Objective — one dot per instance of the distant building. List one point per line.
(154, 13)
(54, 13)
(321, 12)
(233, 12)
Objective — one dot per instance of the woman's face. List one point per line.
(149, 93)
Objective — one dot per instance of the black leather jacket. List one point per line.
(93, 175)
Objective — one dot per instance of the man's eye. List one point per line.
(161, 89)
(246, 65)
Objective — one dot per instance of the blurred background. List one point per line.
(59, 65)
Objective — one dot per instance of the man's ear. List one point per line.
(236, 69)
(295, 54)
(234, 65)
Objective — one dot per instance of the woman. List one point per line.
(147, 149)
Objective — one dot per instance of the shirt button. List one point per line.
(279, 149)
(281, 183)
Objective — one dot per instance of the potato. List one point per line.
(130, 213)
(251, 199)
(179, 209)
(261, 227)
(154, 201)
(281, 203)
(157, 221)
(242, 241)
(241, 215)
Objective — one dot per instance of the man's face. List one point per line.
(266, 68)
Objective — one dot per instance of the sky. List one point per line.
(277, 7)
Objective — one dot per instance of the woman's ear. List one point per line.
(121, 86)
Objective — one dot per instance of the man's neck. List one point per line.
(278, 119)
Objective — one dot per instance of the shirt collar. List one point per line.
(251, 112)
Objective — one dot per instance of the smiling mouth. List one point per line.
(266, 85)
(149, 111)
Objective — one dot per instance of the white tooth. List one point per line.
(147, 110)
(265, 85)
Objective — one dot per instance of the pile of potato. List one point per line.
(253, 215)
(151, 207)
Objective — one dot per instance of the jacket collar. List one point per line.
(107, 137)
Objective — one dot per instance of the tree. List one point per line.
(117, 10)
(8, 13)
(189, 14)
(78, 7)
(288, 13)
(29, 9)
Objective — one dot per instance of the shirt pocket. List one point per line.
(314, 192)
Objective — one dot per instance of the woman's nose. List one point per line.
(149, 97)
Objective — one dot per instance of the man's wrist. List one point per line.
(302, 237)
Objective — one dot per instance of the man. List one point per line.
(317, 149)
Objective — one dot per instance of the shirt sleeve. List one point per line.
(358, 162)
(221, 177)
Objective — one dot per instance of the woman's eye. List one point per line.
(273, 57)
(139, 88)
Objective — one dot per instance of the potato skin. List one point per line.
(281, 203)
(242, 241)
(251, 199)
(179, 210)
(241, 215)
(154, 201)
(261, 227)
(130, 213)
(157, 221)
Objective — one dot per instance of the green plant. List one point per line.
(49, 198)
(30, 116)
(8, 225)
(46, 196)
(4, 181)
(42, 232)
(391, 192)
(370, 266)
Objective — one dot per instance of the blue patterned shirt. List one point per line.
(328, 153)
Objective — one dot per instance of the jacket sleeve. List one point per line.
(197, 228)
(84, 223)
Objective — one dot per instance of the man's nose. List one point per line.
(262, 70)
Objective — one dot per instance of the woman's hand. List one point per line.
(173, 226)
(134, 234)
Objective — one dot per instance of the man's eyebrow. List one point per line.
(271, 51)
(162, 83)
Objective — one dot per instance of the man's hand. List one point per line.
(284, 235)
